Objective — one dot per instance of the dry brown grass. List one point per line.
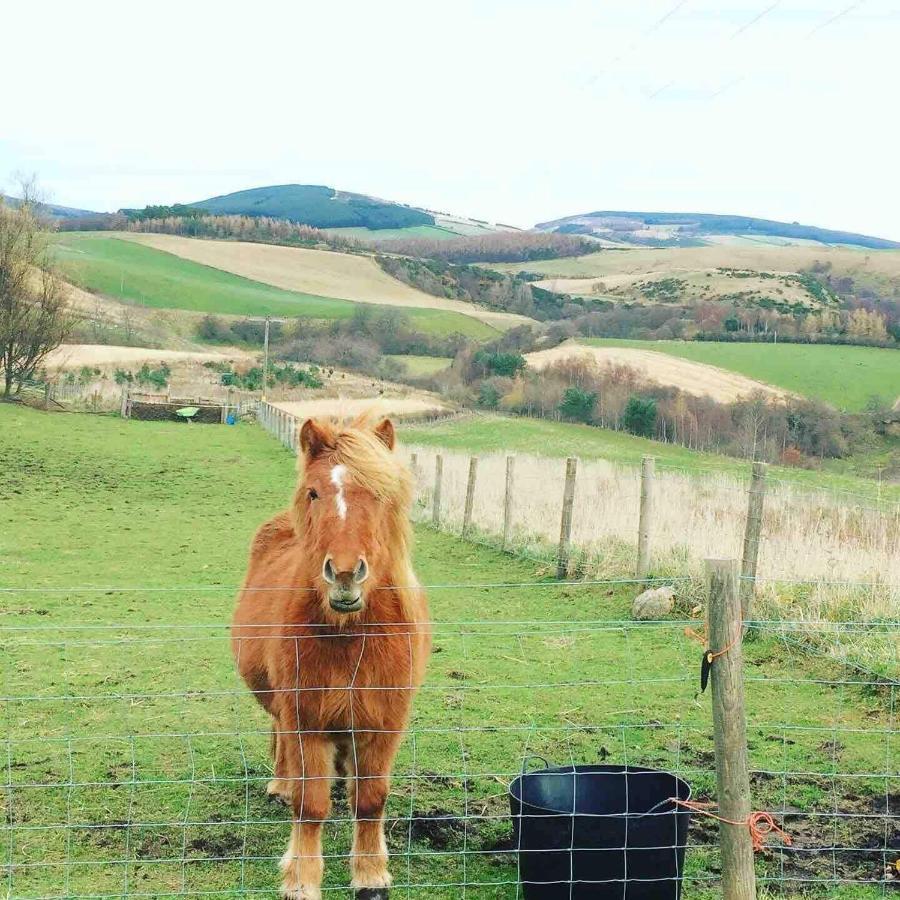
(869, 266)
(350, 407)
(73, 356)
(818, 537)
(694, 378)
(319, 272)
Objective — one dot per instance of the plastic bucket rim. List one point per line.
(598, 770)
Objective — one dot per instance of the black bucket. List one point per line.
(597, 832)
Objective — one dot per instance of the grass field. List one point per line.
(137, 764)
(846, 377)
(485, 433)
(423, 365)
(127, 270)
(356, 277)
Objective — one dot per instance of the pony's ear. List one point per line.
(385, 433)
(314, 439)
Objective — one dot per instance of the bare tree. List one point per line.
(34, 303)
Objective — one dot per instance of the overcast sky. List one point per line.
(514, 111)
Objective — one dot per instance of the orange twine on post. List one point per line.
(701, 639)
(759, 824)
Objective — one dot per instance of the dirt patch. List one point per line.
(349, 408)
(698, 379)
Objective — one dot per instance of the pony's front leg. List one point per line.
(370, 762)
(310, 761)
(279, 786)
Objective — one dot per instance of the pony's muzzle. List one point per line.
(344, 591)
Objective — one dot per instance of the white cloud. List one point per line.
(514, 111)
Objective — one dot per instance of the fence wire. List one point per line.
(137, 763)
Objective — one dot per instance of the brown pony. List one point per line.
(331, 634)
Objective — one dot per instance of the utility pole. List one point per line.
(266, 360)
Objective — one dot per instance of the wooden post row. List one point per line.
(565, 526)
(436, 497)
(752, 533)
(730, 730)
(470, 496)
(508, 501)
(648, 465)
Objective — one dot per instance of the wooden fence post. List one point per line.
(470, 496)
(648, 465)
(46, 395)
(752, 534)
(565, 527)
(436, 496)
(730, 730)
(508, 501)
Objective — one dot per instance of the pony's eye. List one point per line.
(312, 494)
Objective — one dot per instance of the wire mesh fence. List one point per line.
(137, 764)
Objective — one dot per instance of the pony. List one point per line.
(331, 634)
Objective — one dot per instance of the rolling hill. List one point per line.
(322, 273)
(660, 229)
(699, 379)
(317, 205)
(845, 377)
(127, 270)
(717, 271)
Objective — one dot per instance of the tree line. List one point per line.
(496, 246)
(793, 431)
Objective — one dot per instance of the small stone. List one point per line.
(655, 603)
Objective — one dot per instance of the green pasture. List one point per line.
(131, 272)
(136, 761)
(846, 377)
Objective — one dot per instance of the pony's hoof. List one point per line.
(379, 893)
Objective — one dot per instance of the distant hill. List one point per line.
(317, 205)
(51, 209)
(659, 229)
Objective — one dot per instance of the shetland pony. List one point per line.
(331, 634)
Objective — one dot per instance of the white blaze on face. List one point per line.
(337, 479)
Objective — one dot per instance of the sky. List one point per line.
(515, 112)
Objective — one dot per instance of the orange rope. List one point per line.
(759, 824)
(701, 639)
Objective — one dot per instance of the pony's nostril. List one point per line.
(361, 572)
(328, 572)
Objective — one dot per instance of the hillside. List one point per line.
(148, 277)
(320, 272)
(699, 379)
(659, 229)
(846, 377)
(616, 274)
(316, 205)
